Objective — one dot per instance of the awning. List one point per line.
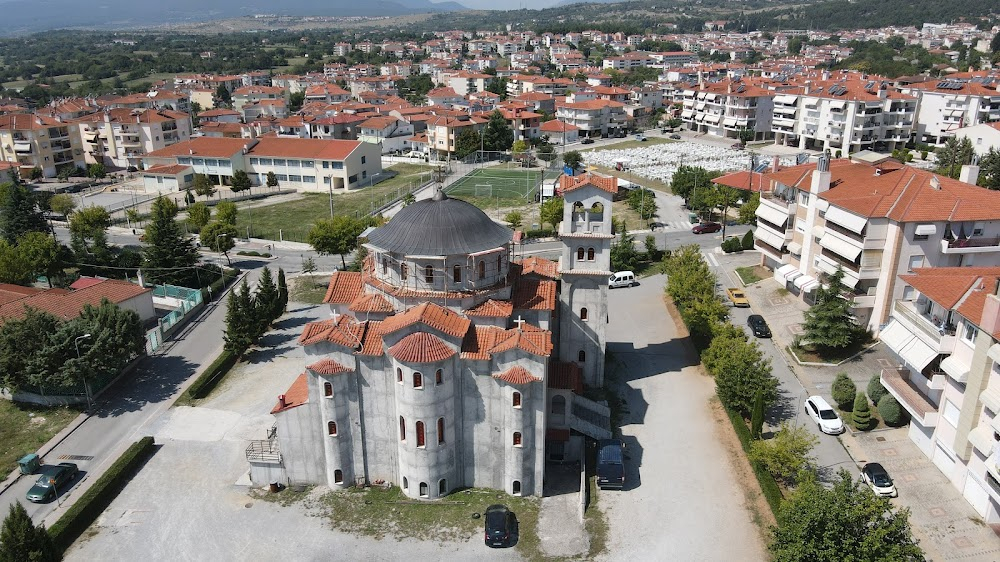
(713, 118)
(818, 231)
(785, 99)
(994, 353)
(783, 271)
(803, 280)
(991, 398)
(838, 104)
(769, 238)
(700, 117)
(808, 287)
(729, 122)
(687, 113)
(774, 216)
(955, 369)
(795, 248)
(700, 105)
(982, 438)
(838, 245)
(811, 102)
(712, 97)
(846, 219)
(926, 230)
(918, 354)
(895, 336)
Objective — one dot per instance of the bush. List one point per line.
(768, 485)
(204, 384)
(843, 391)
(253, 253)
(875, 389)
(540, 233)
(863, 419)
(892, 412)
(96, 499)
(923, 155)
(731, 245)
(748, 240)
(216, 288)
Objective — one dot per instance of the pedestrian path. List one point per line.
(675, 225)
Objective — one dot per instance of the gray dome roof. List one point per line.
(438, 227)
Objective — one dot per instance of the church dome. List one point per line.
(439, 226)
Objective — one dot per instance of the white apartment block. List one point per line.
(122, 137)
(948, 105)
(723, 109)
(48, 143)
(594, 117)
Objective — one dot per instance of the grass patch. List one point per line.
(284, 498)
(380, 512)
(25, 427)
(309, 289)
(595, 521)
(750, 274)
(809, 354)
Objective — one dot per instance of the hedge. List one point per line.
(219, 285)
(204, 384)
(540, 233)
(98, 497)
(768, 485)
(253, 253)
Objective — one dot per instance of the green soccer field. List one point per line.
(518, 185)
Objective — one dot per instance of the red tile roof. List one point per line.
(534, 294)
(947, 285)
(296, 395)
(171, 170)
(747, 181)
(492, 309)
(570, 183)
(213, 147)
(371, 302)
(539, 266)
(566, 376)
(320, 149)
(344, 287)
(328, 367)
(66, 305)
(431, 315)
(517, 375)
(421, 347)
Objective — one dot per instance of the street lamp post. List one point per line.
(86, 385)
(329, 181)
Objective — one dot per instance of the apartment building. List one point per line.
(465, 83)
(120, 138)
(593, 117)
(48, 143)
(945, 329)
(873, 218)
(391, 133)
(726, 108)
(844, 116)
(248, 95)
(443, 130)
(950, 104)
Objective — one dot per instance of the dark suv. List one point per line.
(500, 524)
(610, 464)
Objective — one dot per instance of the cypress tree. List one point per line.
(166, 246)
(282, 302)
(757, 415)
(267, 296)
(843, 391)
(862, 413)
(21, 540)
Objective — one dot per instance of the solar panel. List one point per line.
(802, 158)
(760, 167)
(870, 85)
(832, 90)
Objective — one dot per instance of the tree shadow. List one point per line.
(266, 355)
(784, 408)
(275, 339)
(154, 380)
(292, 322)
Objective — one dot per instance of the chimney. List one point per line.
(821, 176)
(776, 164)
(878, 172)
(281, 401)
(808, 87)
(969, 174)
(826, 75)
(935, 183)
(991, 314)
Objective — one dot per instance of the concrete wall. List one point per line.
(588, 335)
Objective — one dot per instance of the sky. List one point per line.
(506, 4)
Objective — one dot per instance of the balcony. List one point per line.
(920, 407)
(771, 251)
(978, 245)
(935, 332)
(22, 147)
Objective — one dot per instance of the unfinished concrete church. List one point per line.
(446, 363)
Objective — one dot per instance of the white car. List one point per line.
(878, 479)
(824, 415)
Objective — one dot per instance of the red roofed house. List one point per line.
(434, 371)
(66, 305)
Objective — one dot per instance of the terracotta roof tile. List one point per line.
(370, 302)
(947, 285)
(539, 266)
(534, 294)
(570, 183)
(328, 367)
(491, 308)
(320, 149)
(371, 339)
(566, 376)
(517, 375)
(479, 341)
(218, 147)
(296, 395)
(344, 287)
(421, 347)
(432, 315)
(66, 305)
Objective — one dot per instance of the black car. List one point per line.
(500, 523)
(610, 464)
(53, 481)
(675, 137)
(758, 326)
(587, 140)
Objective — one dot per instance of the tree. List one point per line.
(41, 254)
(953, 155)
(828, 322)
(746, 135)
(14, 266)
(723, 197)
(21, 540)
(36, 173)
(624, 256)
(787, 453)
(741, 371)
(466, 143)
(519, 148)
(546, 152)
(240, 182)
(239, 320)
(689, 180)
(223, 95)
(747, 242)
(514, 219)
(226, 212)
(643, 201)
(891, 411)
(875, 389)
(219, 237)
(19, 213)
(757, 415)
(88, 234)
(843, 391)
(295, 101)
(282, 302)
(203, 186)
(21, 340)
(308, 265)
(989, 169)
(409, 199)
(845, 522)
(62, 204)
(573, 159)
(198, 215)
(168, 254)
(795, 44)
(97, 171)
(265, 301)
(650, 245)
(862, 415)
(497, 86)
(748, 210)
(551, 212)
(338, 235)
(272, 180)
(497, 135)
(188, 197)
(995, 43)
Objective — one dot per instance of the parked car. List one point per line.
(738, 297)
(610, 464)
(878, 479)
(587, 140)
(706, 227)
(621, 279)
(675, 137)
(758, 326)
(500, 524)
(824, 415)
(737, 146)
(53, 481)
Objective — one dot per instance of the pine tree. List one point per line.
(757, 415)
(267, 296)
(240, 320)
(282, 302)
(21, 540)
(168, 253)
(829, 323)
(862, 413)
(18, 213)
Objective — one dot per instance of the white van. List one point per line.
(621, 279)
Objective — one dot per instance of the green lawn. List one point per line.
(294, 218)
(24, 428)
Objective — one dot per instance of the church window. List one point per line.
(516, 488)
(516, 400)
(420, 434)
(423, 489)
(590, 254)
(418, 380)
(583, 313)
(457, 273)
(338, 476)
(440, 431)
(517, 438)
(499, 263)
(399, 375)
(402, 430)
(327, 390)
(403, 271)
(579, 253)
(439, 377)
(583, 356)
(429, 274)
(442, 487)
(406, 483)
(331, 428)
(482, 269)
(385, 265)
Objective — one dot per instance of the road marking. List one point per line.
(710, 259)
(76, 457)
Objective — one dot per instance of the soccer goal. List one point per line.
(484, 190)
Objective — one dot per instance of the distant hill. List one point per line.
(39, 15)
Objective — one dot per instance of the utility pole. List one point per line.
(330, 183)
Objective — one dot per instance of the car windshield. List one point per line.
(44, 481)
(827, 414)
(881, 479)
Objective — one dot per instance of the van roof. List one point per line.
(610, 451)
(619, 273)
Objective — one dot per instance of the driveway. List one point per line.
(680, 494)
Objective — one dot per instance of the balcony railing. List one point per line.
(934, 328)
(263, 451)
(918, 404)
(971, 245)
(837, 258)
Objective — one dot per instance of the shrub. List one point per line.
(748, 240)
(731, 245)
(843, 391)
(539, 233)
(768, 485)
(94, 501)
(863, 419)
(892, 412)
(212, 375)
(923, 155)
(875, 389)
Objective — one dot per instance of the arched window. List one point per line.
(517, 438)
(579, 253)
(331, 428)
(590, 254)
(406, 483)
(418, 380)
(404, 271)
(558, 404)
(385, 265)
(338, 476)
(429, 273)
(327, 389)
(399, 375)
(442, 487)
(423, 489)
(420, 434)
(583, 313)
(439, 377)
(582, 357)
(440, 430)
(482, 269)
(402, 430)
(516, 400)
(516, 488)
(457, 273)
